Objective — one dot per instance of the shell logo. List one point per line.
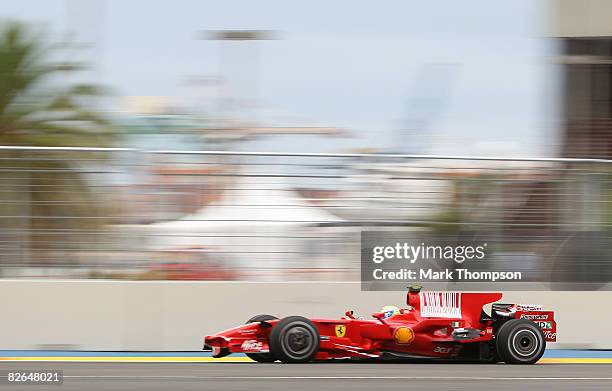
(403, 335)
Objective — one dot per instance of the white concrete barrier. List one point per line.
(117, 315)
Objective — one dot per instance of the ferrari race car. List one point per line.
(438, 325)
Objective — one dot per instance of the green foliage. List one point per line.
(36, 107)
(43, 194)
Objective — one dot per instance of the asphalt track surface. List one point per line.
(319, 376)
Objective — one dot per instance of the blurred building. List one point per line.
(586, 33)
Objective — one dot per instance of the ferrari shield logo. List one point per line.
(340, 330)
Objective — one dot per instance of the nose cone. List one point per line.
(217, 344)
(215, 340)
(223, 338)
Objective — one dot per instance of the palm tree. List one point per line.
(33, 109)
(43, 195)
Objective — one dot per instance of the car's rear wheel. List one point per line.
(294, 339)
(520, 341)
(261, 357)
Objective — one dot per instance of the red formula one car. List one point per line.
(440, 325)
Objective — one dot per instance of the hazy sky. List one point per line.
(362, 65)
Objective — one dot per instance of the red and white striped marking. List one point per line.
(440, 304)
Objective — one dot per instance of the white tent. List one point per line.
(256, 224)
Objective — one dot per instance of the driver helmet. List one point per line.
(389, 311)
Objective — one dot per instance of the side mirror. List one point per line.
(380, 316)
(350, 314)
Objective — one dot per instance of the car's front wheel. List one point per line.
(294, 339)
(520, 341)
(261, 357)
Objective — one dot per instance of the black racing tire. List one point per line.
(520, 341)
(261, 357)
(294, 339)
